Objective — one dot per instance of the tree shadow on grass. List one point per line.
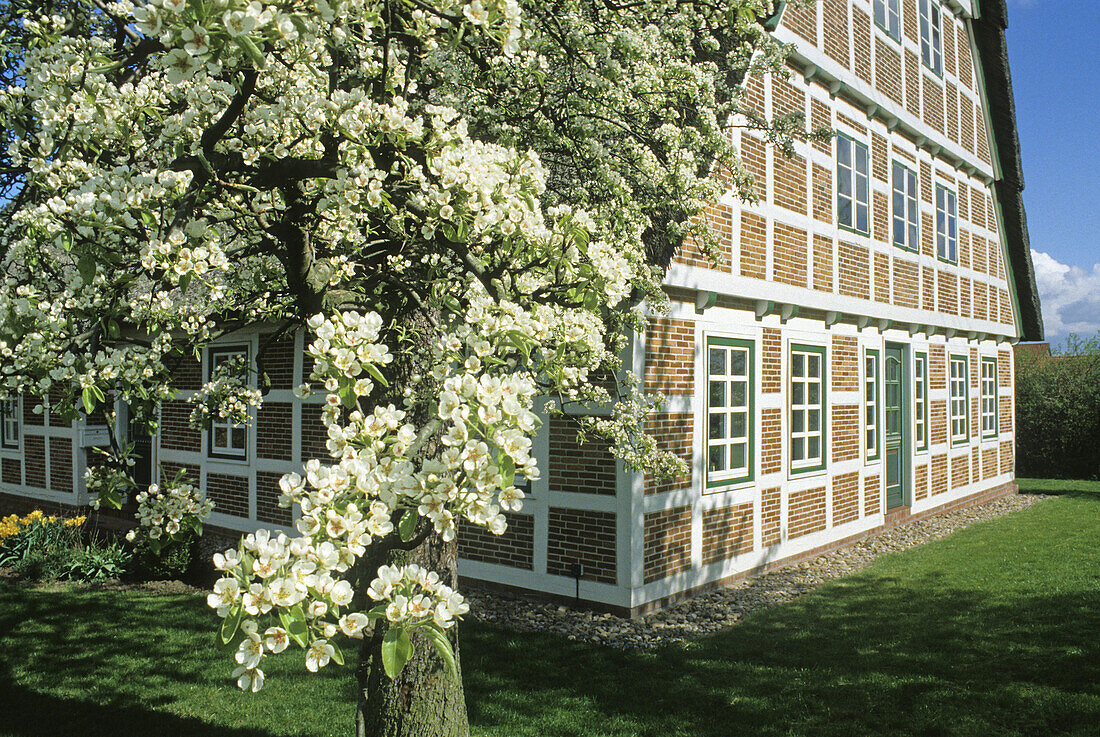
(99, 663)
(860, 657)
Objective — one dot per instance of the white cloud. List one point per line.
(1070, 297)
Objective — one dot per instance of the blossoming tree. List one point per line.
(462, 203)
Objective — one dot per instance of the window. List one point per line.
(888, 17)
(807, 433)
(906, 230)
(871, 403)
(947, 236)
(852, 185)
(989, 397)
(959, 426)
(931, 35)
(920, 403)
(729, 411)
(9, 423)
(228, 439)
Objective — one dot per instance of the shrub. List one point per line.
(162, 560)
(97, 562)
(1058, 412)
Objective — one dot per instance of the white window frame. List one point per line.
(920, 401)
(10, 421)
(857, 196)
(723, 412)
(872, 405)
(989, 398)
(931, 35)
(906, 207)
(801, 413)
(959, 399)
(215, 354)
(888, 17)
(947, 224)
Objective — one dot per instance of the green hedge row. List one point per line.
(1058, 412)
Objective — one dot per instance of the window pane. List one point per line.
(815, 447)
(737, 456)
(798, 363)
(717, 460)
(815, 393)
(717, 428)
(798, 421)
(737, 394)
(844, 152)
(738, 363)
(220, 437)
(717, 394)
(717, 361)
(815, 420)
(738, 425)
(798, 393)
(797, 449)
(814, 363)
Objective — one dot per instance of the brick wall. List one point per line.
(187, 376)
(960, 471)
(670, 356)
(771, 441)
(580, 468)
(805, 512)
(267, 500)
(176, 432)
(872, 495)
(802, 20)
(906, 287)
(771, 361)
(1004, 414)
(789, 255)
(34, 454)
(937, 367)
(666, 543)
(989, 462)
(754, 156)
(836, 30)
(855, 278)
(314, 434)
(754, 246)
(937, 420)
(273, 427)
(845, 363)
(920, 485)
(577, 535)
(861, 44)
(822, 194)
(673, 433)
(845, 498)
(823, 263)
(727, 531)
(938, 478)
(11, 471)
(278, 361)
(515, 548)
(61, 465)
(30, 417)
(229, 493)
(770, 510)
(1008, 456)
(888, 72)
(169, 470)
(845, 440)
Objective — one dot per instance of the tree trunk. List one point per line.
(423, 701)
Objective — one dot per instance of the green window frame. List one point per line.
(906, 207)
(947, 225)
(872, 405)
(730, 403)
(853, 185)
(807, 408)
(959, 400)
(931, 35)
(888, 17)
(920, 401)
(9, 423)
(989, 398)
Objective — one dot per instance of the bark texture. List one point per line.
(423, 701)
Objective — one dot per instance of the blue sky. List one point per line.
(1053, 48)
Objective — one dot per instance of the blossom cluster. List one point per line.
(13, 524)
(170, 513)
(226, 396)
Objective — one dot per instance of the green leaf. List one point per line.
(507, 469)
(88, 399)
(253, 52)
(231, 624)
(396, 650)
(376, 374)
(185, 281)
(337, 653)
(443, 647)
(98, 393)
(296, 626)
(407, 526)
(379, 612)
(86, 267)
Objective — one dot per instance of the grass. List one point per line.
(994, 630)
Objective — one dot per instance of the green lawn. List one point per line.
(992, 631)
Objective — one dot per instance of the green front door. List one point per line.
(897, 457)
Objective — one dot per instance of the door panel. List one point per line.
(895, 408)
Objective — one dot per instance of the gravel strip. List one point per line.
(723, 608)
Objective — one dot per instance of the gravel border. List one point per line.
(723, 608)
